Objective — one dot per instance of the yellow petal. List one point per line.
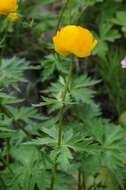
(8, 6)
(74, 40)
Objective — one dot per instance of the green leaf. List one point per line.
(101, 48)
(26, 114)
(64, 157)
(29, 165)
(6, 99)
(120, 18)
(54, 63)
(6, 133)
(43, 141)
(81, 90)
(12, 71)
(109, 151)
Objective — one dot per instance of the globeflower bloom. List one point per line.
(74, 40)
(8, 6)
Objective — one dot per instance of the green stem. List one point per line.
(61, 114)
(7, 165)
(5, 33)
(61, 118)
(80, 14)
(8, 150)
(53, 175)
(62, 13)
(83, 181)
(79, 179)
(2, 183)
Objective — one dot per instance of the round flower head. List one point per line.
(74, 40)
(8, 6)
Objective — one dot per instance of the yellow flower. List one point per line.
(74, 40)
(8, 6)
(13, 17)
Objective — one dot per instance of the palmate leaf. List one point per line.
(49, 137)
(101, 49)
(111, 149)
(120, 20)
(12, 71)
(63, 155)
(53, 99)
(74, 140)
(50, 129)
(6, 133)
(26, 114)
(48, 126)
(52, 102)
(6, 99)
(64, 181)
(81, 90)
(54, 63)
(84, 81)
(107, 33)
(43, 141)
(83, 95)
(46, 130)
(28, 169)
(87, 112)
(5, 121)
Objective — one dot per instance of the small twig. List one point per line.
(62, 13)
(80, 13)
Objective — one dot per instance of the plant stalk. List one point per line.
(61, 114)
(8, 151)
(79, 179)
(61, 118)
(83, 181)
(61, 14)
(2, 183)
